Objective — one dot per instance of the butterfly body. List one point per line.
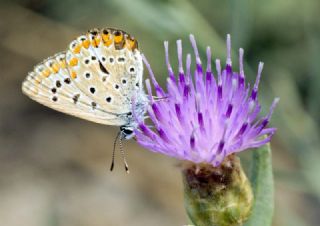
(96, 79)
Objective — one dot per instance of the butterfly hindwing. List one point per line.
(84, 82)
(102, 69)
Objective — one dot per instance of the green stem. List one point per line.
(262, 186)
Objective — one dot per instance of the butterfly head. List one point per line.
(139, 107)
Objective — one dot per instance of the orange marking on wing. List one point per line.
(38, 81)
(63, 64)
(73, 62)
(46, 72)
(86, 44)
(73, 74)
(118, 38)
(97, 40)
(106, 39)
(131, 43)
(77, 49)
(55, 68)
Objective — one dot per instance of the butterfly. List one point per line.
(98, 78)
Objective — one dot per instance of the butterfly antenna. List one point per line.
(160, 98)
(114, 151)
(123, 155)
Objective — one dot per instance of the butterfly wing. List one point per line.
(85, 82)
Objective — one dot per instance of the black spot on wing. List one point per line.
(76, 98)
(103, 69)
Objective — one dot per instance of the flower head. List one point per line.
(204, 116)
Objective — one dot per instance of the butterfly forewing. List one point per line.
(95, 79)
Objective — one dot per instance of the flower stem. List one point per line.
(263, 187)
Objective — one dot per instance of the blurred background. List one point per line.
(54, 169)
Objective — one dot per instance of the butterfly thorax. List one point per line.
(139, 109)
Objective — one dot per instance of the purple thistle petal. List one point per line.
(241, 70)
(146, 131)
(179, 50)
(196, 52)
(192, 141)
(178, 111)
(163, 135)
(218, 67)
(208, 59)
(156, 111)
(220, 147)
(220, 92)
(149, 90)
(204, 119)
(229, 110)
(273, 106)
(256, 85)
(170, 71)
(229, 62)
(242, 129)
(186, 91)
(200, 120)
(182, 79)
(158, 88)
(188, 66)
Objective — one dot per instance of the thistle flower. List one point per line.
(202, 117)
